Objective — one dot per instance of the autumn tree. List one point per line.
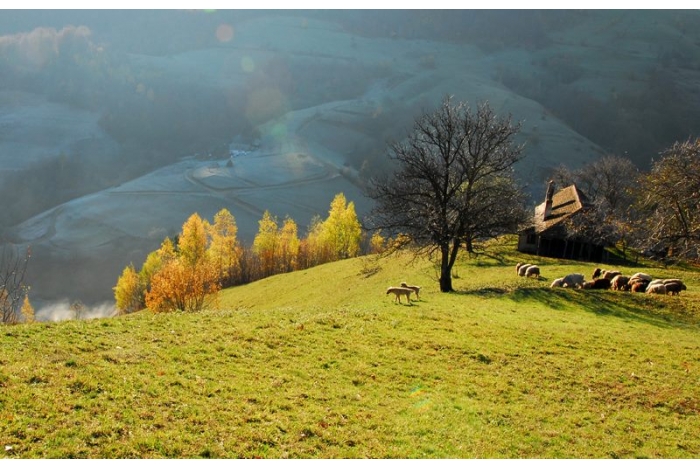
(341, 231)
(183, 277)
(224, 249)
(155, 261)
(288, 252)
(668, 198)
(265, 244)
(27, 310)
(454, 183)
(129, 293)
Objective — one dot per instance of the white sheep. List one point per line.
(415, 289)
(399, 291)
(573, 280)
(532, 271)
(558, 282)
(639, 276)
(523, 269)
(659, 288)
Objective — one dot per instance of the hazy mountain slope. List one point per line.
(314, 103)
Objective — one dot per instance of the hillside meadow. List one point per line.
(323, 364)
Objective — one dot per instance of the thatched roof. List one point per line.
(565, 203)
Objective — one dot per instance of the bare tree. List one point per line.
(608, 185)
(454, 183)
(669, 197)
(13, 267)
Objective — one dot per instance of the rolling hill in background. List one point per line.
(115, 126)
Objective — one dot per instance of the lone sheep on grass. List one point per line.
(415, 289)
(399, 291)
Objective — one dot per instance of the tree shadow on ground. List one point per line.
(656, 310)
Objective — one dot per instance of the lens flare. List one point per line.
(224, 33)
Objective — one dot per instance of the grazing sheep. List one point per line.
(399, 291)
(523, 269)
(638, 286)
(558, 282)
(517, 268)
(604, 274)
(659, 288)
(415, 289)
(573, 280)
(641, 276)
(610, 274)
(597, 284)
(533, 271)
(655, 282)
(674, 288)
(620, 282)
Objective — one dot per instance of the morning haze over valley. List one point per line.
(117, 125)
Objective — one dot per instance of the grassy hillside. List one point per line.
(322, 364)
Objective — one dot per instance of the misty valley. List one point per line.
(116, 126)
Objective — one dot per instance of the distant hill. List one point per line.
(137, 126)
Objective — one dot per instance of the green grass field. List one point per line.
(323, 364)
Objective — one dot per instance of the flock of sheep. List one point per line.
(610, 279)
(601, 279)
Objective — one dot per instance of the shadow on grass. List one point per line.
(660, 311)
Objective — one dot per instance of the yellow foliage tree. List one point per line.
(192, 244)
(265, 244)
(342, 232)
(288, 246)
(27, 310)
(224, 250)
(181, 286)
(376, 243)
(183, 277)
(129, 291)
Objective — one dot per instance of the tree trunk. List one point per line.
(449, 255)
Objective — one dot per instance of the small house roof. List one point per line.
(565, 203)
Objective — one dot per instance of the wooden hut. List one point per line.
(548, 236)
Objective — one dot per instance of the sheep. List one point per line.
(674, 288)
(655, 282)
(558, 282)
(658, 288)
(604, 274)
(597, 284)
(517, 268)
(620, 282)
(641, 276)
(523, 269)
(638, 286)
(415, 289)
(532, 271)
(573, 280)
(398, 292)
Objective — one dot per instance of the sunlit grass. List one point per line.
(323, 364)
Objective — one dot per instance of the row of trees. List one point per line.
(186, 272)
